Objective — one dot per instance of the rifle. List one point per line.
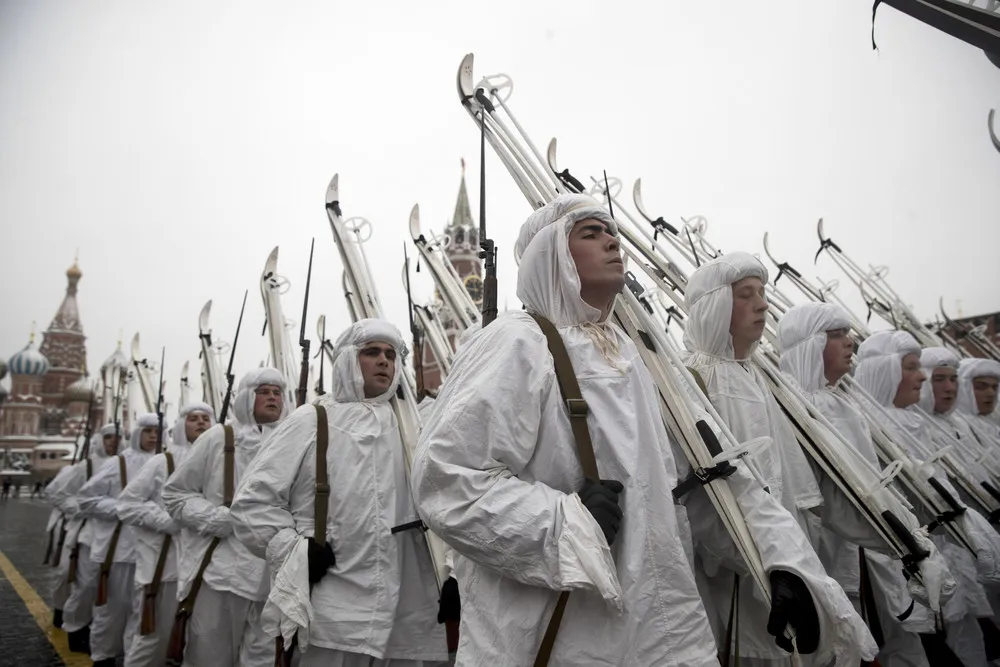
(322, 354)
(119, 395)
(159, 406)
(85, 451)
(488, 253)
(82, 452)
(300, 393)
(229, 369)
(418, 346)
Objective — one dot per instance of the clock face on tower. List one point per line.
(474, 286)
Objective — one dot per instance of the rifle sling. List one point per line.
(321, 503)
(577, 410)
(109, 557)
(228, 470)
(322, 500)
(161, 561)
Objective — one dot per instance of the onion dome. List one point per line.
(28, 361)
(116, 360)
(80, 391)
(3, 369)
(74, 272)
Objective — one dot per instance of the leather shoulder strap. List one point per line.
(577, 408)
(569, 387)
(122, 470)
(229, 466)
(322, 499)
(699, 380)
(170, 463)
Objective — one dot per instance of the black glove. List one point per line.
(792, 604)
(602, 501)
(450, 604)
(321, 559)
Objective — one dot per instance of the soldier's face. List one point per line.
(147, 438)
(944, 382)
(267, 403)
(985, 389)
(196, 423)
(378, 367)
(111, 444)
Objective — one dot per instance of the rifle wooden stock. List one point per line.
(74, 556)
(282, 657)
(178, 637)
(109, 560)
(151, 591)
(102, 587)
(147, 625)
(59, 546)
(48, 547)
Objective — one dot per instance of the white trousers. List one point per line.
(224, 631)
(151, 650)
(315, 656)
(78, 608)
(966, 639)
(114, 626)
(902, 648)
(59, 587)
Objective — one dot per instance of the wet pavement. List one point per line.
(23, 643)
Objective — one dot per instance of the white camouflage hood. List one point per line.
(547, 280)
(931, 358)
(802, 336)
(709, 300)
(880, 367)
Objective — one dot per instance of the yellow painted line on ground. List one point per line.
(43, 615)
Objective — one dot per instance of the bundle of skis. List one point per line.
(652, 311)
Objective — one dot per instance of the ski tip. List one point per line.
(271, 265)
(135, 347)
(333, 189)
(637, 197)
(466, 88)
(415, 222)
(550, 155)
(990, 125)
(819, 230)
(203, 316)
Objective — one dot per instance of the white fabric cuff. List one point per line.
(584, 556)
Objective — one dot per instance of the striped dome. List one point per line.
(28, 361)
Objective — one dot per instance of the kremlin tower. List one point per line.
(45, 410)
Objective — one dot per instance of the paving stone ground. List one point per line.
(22, 540)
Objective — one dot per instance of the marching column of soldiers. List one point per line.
(299, 536)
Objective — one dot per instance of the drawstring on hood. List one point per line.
(548, 283)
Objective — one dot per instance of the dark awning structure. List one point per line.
(972, 25)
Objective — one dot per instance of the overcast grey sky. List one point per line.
(176, 143)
